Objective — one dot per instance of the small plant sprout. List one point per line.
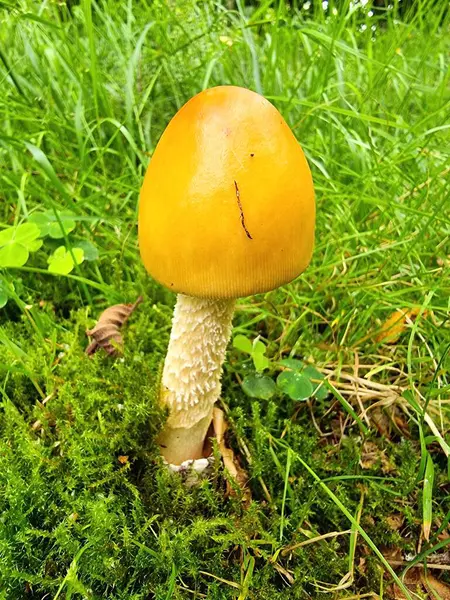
(226, 210)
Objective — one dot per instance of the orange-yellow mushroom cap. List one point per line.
(227, 204)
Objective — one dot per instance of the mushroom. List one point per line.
(226, 210)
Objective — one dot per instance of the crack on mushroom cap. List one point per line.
(241, 210)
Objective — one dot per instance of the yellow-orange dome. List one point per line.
(227, 204)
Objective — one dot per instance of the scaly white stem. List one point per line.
(192, 371)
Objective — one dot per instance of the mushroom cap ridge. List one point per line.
(227, 205)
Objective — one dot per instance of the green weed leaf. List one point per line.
(320, 391)
(258, 346)
(260, 361)
(13, 255)
(259, 386)
(61, 261)
(26, 234)
(295, 385)
(6, 236)
(240, 342)
(16, 243)
(55, 231)
(256, 350)
(42, 221)
(49, 225)
(23, 234)
(292, 363)
(90, 251)
(34, 245)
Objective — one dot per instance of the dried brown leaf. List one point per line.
(381, 421)
(437, 589)
(372, 456)
(395, 325)
(412, 583)
(230, 461)
(388, 419)
(395, 521)
(422, 584)
(106, 333)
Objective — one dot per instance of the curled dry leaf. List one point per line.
(395, 325)
(106, 334)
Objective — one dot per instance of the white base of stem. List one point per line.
(180, 444)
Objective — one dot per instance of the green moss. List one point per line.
(87, 505)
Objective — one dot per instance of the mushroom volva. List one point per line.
(226, 210)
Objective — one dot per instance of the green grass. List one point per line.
(85, 95)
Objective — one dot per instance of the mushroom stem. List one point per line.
(192, 371)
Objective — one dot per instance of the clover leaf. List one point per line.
(61, 261)
(49, 224)
(17, 242)
(259, 386)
